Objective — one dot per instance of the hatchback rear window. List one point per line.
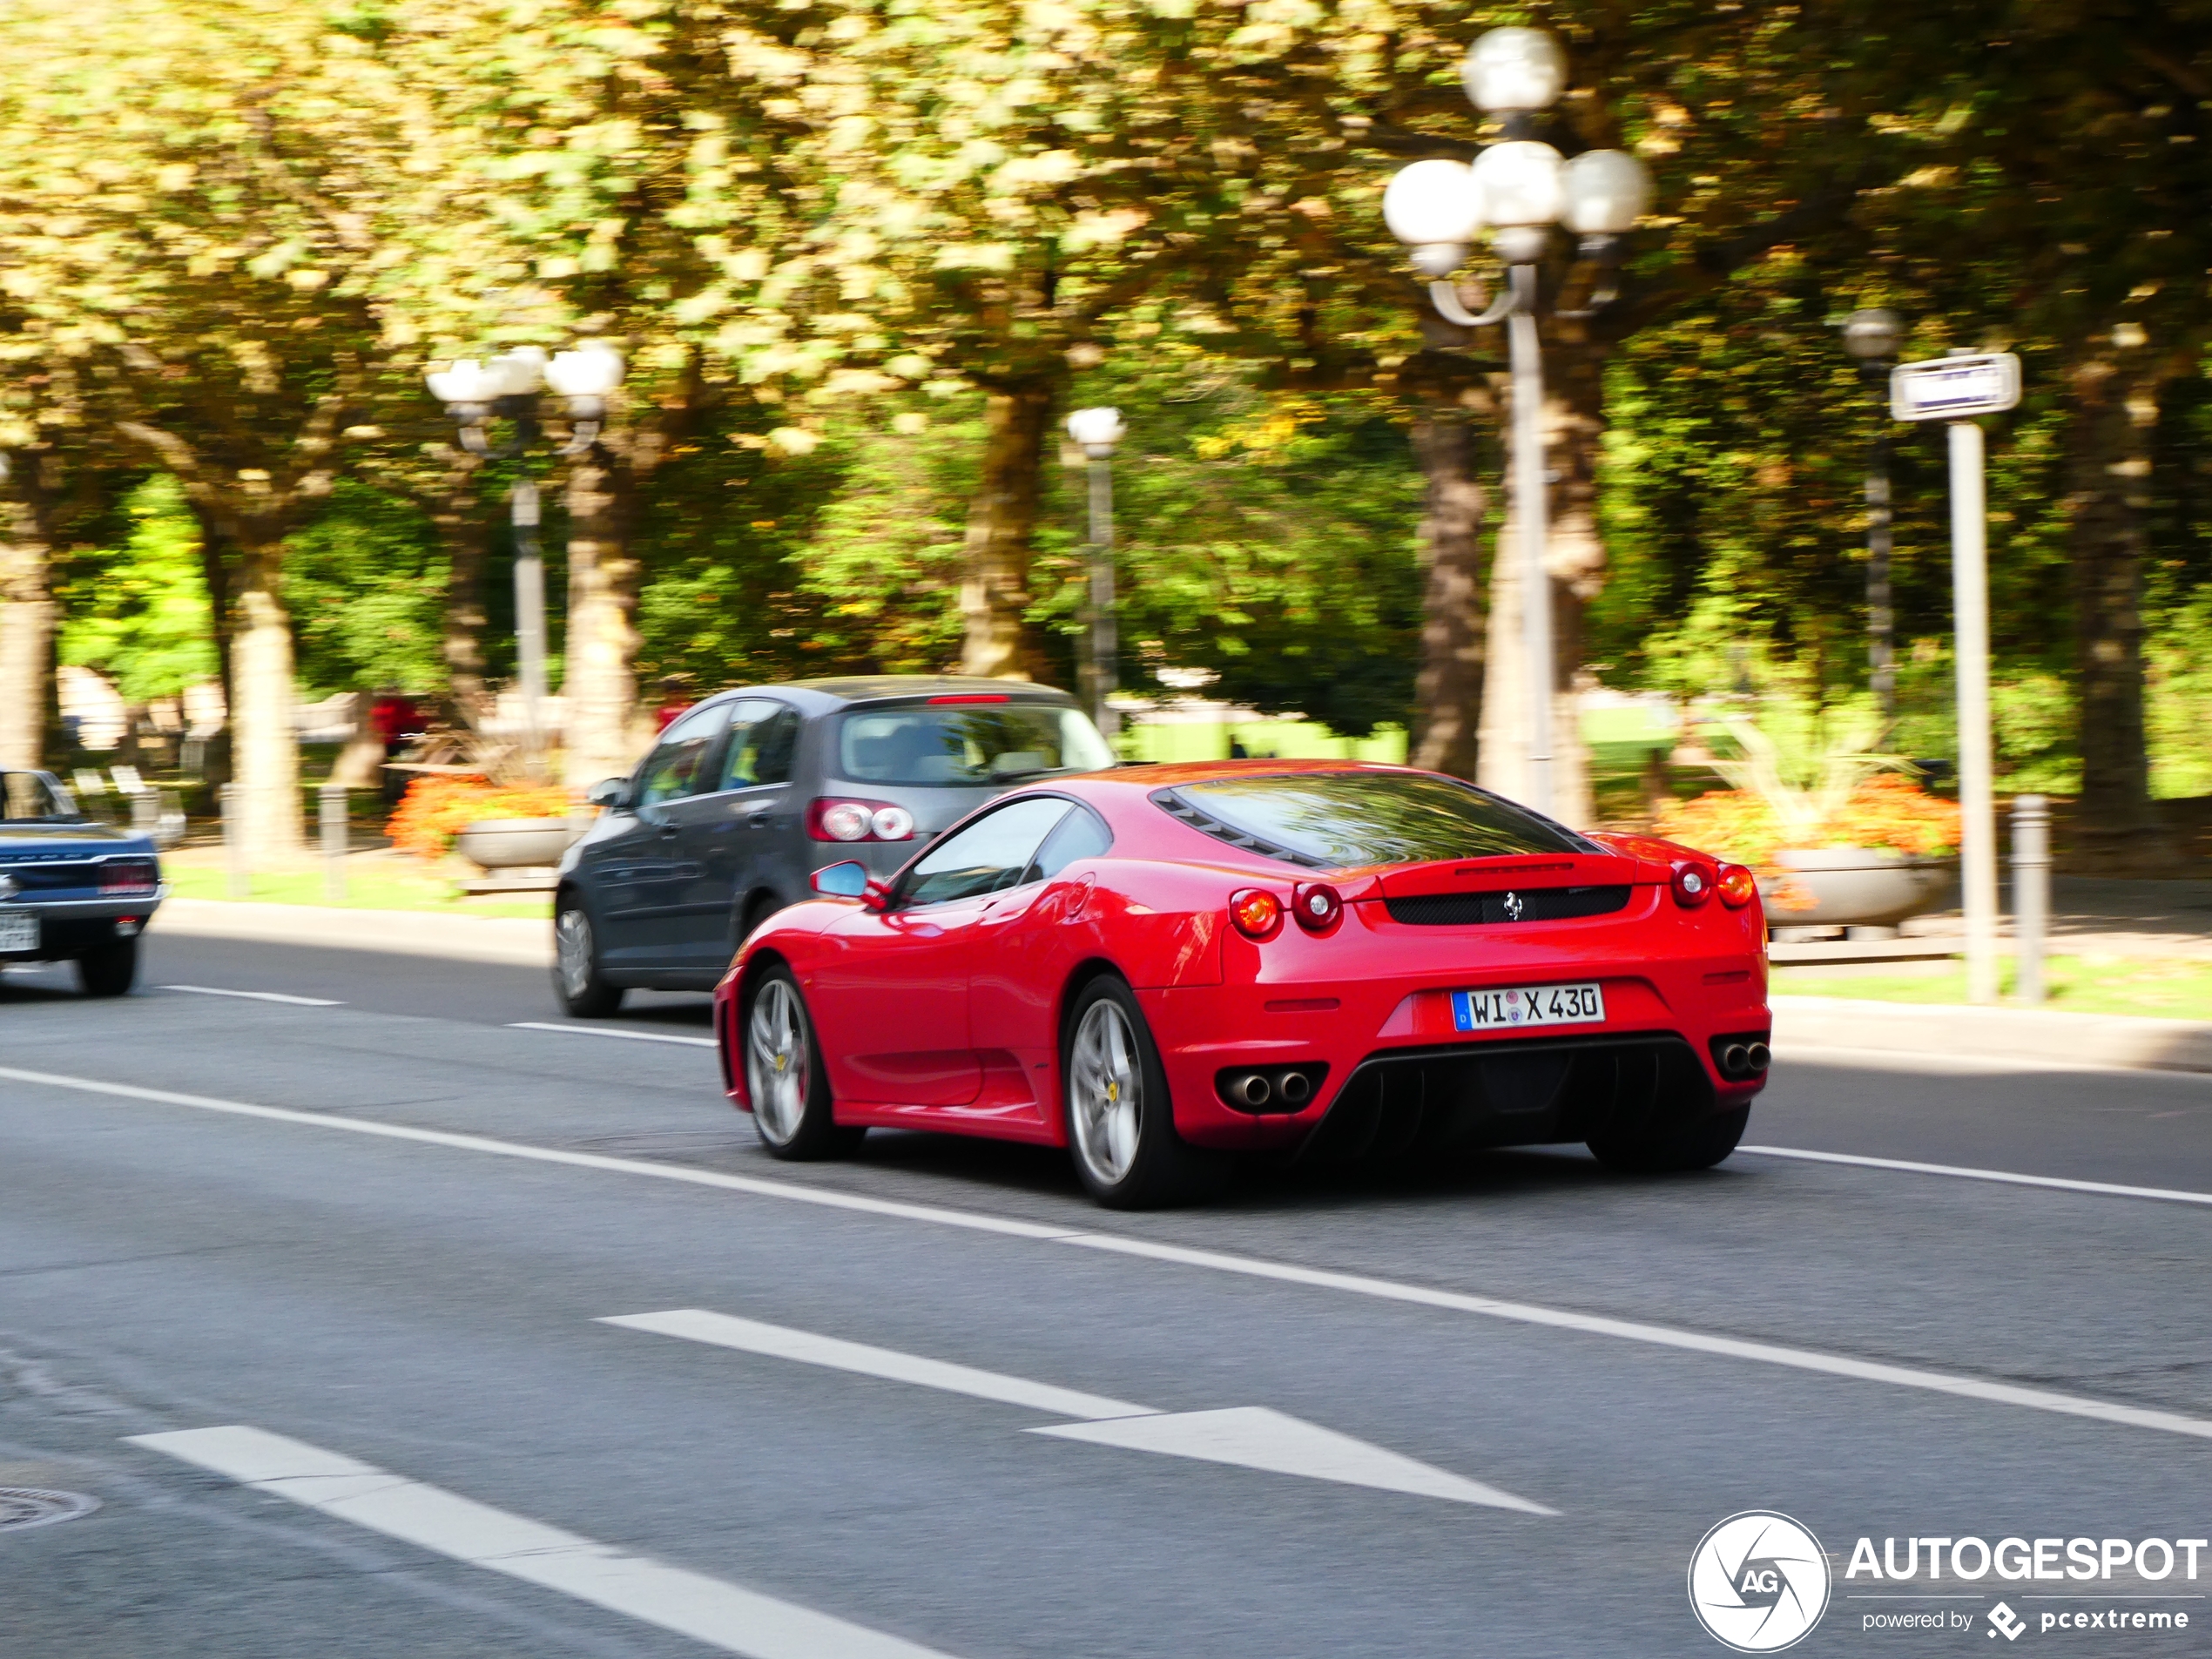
(1342, 820)
(969, 744)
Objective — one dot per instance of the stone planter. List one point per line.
(515, 843)
(1854, 887)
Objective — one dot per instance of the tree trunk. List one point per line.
(1574, 429)
(1448, 697)
(26, 636)
(264, 744)
(600, 685)
(994, 580)
(2108, 464)
(464, 534)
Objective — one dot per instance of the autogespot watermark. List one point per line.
(1759, 1581)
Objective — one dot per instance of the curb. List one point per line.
(513, 942)
(1992, 1033)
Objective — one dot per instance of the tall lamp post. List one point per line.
(1098, 431)
(1872, 337)
(507, 388)
(1519, 188)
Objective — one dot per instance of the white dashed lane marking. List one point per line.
(706, 1609)
(609, 1031)
(258, 996)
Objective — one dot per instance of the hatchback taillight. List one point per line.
(831, 817)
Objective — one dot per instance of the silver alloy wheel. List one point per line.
(1105, 1092)
(572, 949)
(776, 1061)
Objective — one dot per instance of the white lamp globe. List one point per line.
(518, 373)
(1872, 334)
(1432, 202)
(593, 369)
(1097, 430)
(462, 381)
(1607, 192)
(1520, 182)
(1511, 69)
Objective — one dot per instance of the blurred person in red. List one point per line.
(673, 701)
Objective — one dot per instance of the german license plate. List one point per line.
(1524, 1006)
(18, 933)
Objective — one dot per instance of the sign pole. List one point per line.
(1977, 829)
(1956, 390)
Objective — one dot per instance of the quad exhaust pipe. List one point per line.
(1278, 1089)
(1746, 1059)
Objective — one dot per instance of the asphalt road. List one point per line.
(1488, 1407)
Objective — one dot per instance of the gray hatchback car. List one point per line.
(748, 793)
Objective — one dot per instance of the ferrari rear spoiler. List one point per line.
(1526, 872)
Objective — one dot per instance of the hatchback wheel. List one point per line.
(1120, 1121)
(784, 1075)
(577, 979)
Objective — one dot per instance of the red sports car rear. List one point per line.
(1265, 957)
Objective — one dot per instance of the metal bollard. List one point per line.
(331, 804)
(2031, 892)
(235, 841)
(145, 812)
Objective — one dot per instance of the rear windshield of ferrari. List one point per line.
(1341, 821)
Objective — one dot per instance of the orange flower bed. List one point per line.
(436, 809)
(1887, 811)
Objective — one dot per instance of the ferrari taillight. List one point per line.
(1317, 906)
(1256, 913)
(1737, 886)
(829, 818)
(1693, 885)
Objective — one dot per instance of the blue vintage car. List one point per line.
(71, 889)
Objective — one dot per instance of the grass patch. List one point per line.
(2169, 988)
(380, 889)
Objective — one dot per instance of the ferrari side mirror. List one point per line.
(846, 881)
(609, 792)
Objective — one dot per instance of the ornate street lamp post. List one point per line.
(507, 388)
(1872, 337)
(1519, 188)
(1098, 431)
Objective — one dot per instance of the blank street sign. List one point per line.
(1952, 389)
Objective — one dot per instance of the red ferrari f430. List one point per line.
(1155, 964)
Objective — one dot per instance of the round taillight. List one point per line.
(1737, 886)
(1256, 913)
(845, 820)
(1693, 885)
(1317, 906)
(892, 824)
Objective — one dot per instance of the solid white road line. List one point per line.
(2102, 1189)
(1824, 1054)
(603, 1031)
(1352, 1283)
(257, 996)
(706, 1609)
(1250, 1436)
(782, 1342)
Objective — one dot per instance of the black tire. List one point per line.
(1697, 1145)
(1126, 1151)
(785, 1078)
(109, 970)
(578, 980)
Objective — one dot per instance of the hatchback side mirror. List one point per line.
(609, 792)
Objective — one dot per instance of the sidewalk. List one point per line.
(509, 940)
(2112, 915)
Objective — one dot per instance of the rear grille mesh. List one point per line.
(1541, 904)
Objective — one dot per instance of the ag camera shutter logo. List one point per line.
(1758, 1583)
